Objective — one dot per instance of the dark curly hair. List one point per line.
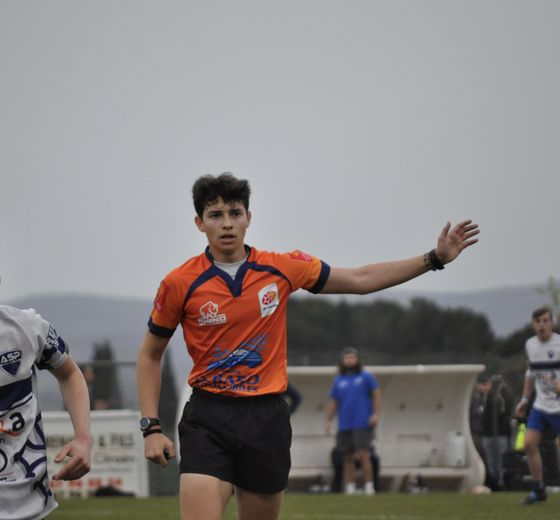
(208, 189)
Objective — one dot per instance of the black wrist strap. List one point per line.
(432, 262)
(149, 432)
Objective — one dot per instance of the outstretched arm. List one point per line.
(74, 392)
(157, 447)
(375, 277)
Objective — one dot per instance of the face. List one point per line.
(543, 326)
(350, 360)
(484, 387)
(225, 225)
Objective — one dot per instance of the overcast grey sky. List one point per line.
(362, 125)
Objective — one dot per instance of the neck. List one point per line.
(228, 257)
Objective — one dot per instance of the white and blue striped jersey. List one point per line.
(544, 367)
(27, 343)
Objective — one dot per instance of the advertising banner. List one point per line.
(118, 462)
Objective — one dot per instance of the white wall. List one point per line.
(117, 453)
(422, 407)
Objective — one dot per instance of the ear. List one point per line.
(199, 223)
(248, 218)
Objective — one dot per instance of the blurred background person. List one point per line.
(356, 399)
(496, 430)
(543, 378)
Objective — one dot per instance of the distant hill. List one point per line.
(83, 320)
(507, 308)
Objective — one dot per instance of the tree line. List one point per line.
(389, 333)
(386, 333)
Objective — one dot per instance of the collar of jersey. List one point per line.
(248, 250)
(235, 285)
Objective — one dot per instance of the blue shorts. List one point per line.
(540, 420)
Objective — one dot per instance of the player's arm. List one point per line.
(332, 407)
(376, 403)
(294, 396)
(75, 394)
(148, 379)
(375, 277)
(528, 388)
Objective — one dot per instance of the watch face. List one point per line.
(146, 422)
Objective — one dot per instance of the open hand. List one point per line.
(452, 241)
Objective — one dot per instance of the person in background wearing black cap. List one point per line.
(356, 398)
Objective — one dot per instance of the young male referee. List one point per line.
(231, 304)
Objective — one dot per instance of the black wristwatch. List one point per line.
(147, 422)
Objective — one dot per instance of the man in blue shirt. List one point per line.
(356, 397)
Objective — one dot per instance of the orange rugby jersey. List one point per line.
(235, 329)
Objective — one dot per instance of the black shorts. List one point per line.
(242, 440)
(348, 441)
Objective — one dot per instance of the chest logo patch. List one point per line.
(10, 361)
(269, 299)
(210, 315)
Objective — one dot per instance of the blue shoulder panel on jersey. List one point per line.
(203, 278)
(55, 346)
(157, 330)
(14, 392)
(268, 269)
(322, 280)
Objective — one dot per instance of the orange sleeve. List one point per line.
(168, 309)
(304, 271)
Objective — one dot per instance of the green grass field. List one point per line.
(385, 506)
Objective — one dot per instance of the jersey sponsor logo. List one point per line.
(247, 353)
(300, 255)
(227, 363)
(10, 361)
(16, 426)
(161, 296)
(240, 356)
(268, 299)
(209, 315)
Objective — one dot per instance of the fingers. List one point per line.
(445, 230)
(159, 449)
(79, 463)
(169, 452)
(76, 468)
(465, 232)
(466, 227)
(62, 453)
(469, 243)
